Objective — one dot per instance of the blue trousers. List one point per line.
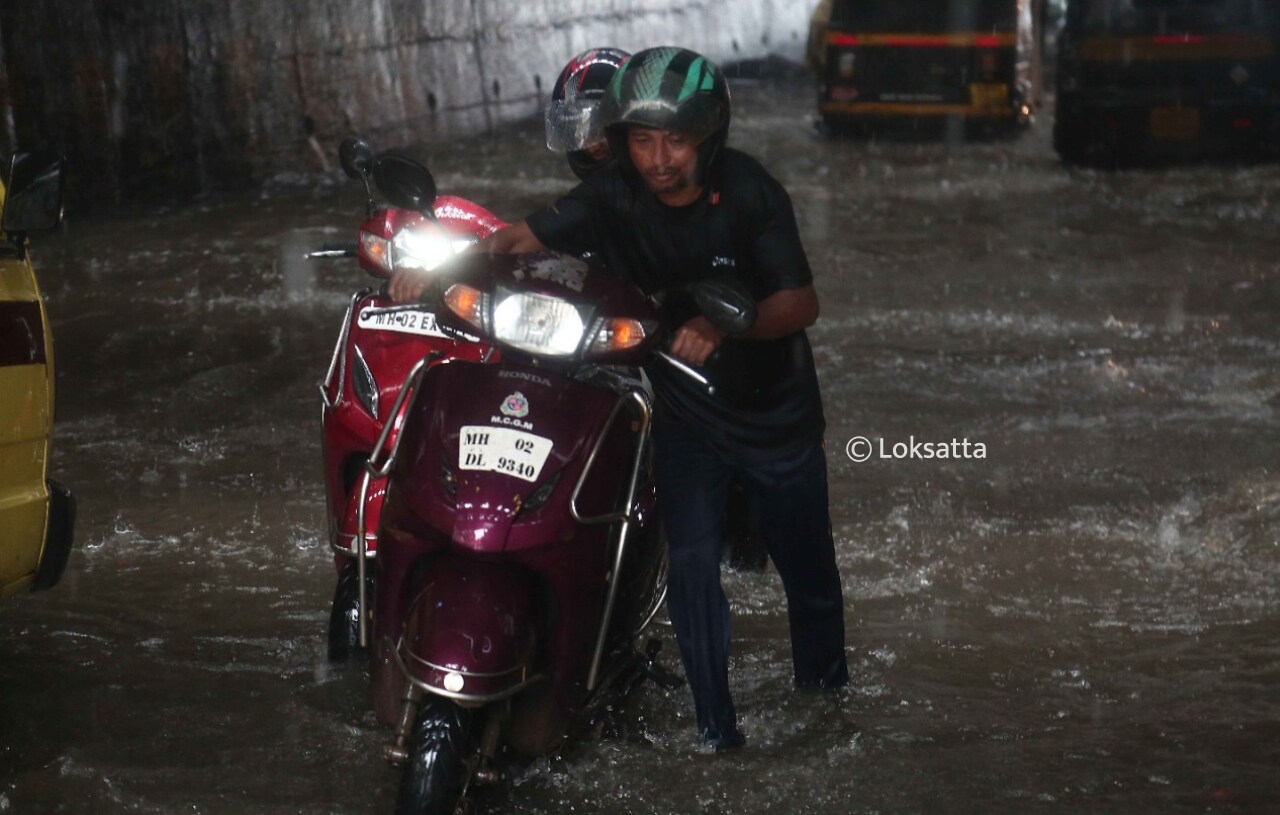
(787, 492)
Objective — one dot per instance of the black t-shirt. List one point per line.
(766, 391)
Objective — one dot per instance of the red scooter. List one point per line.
(519, 560)
(379, 343)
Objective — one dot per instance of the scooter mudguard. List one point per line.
(471, 632)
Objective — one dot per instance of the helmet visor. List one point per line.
(573, 125)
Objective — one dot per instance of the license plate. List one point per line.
(406, 319)
(845, 65)
(986, 96)
(502, 450)
(1175, 123)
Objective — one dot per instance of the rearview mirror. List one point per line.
(726, 303)
(33, 199)
(405, 182)
(356, 157)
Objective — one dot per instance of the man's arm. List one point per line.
(407, 285)
(514, 239)
(784, 312)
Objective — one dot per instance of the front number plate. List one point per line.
(502, 450)
(1175, 123)
(405, 319)
(989, 96)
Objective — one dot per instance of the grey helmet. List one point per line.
(671, 89)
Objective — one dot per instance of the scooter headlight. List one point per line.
(424, 247)
(537, 323)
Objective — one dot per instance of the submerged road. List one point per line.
(1085, 618)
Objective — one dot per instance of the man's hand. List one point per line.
(512, 240)
(783, 312)
(407, 285)
(695, 341)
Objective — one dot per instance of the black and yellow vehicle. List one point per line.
(1159, 79)
(976, 62)
(36, 515)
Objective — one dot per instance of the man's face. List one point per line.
(666, 161)
(597, 150)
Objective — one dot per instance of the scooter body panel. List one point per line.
(446, 512)
(481, 460)
(386, 340)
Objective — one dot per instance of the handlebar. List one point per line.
(687, 370)
(341, 249)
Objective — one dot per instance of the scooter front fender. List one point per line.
(472, 631)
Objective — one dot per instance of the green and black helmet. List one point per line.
(669, 89)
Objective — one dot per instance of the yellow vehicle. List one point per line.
(1143, 80)
(975, 62)
(36, 515)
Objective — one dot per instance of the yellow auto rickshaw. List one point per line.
(976, 62)
(36, 515)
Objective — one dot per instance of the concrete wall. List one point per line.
(161, 98)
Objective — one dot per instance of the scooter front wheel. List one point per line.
(434, 780)
(344, 614)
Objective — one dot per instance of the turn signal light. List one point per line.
(618, 334)
(467, 303)
(376, 249)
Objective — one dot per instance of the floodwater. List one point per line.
(1086, 618)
